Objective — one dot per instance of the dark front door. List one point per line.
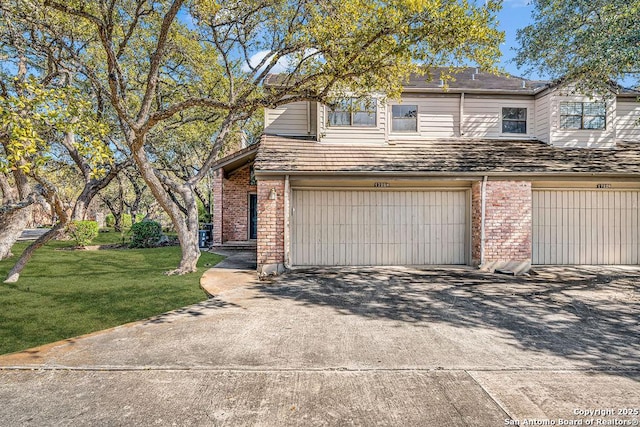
(253, 216)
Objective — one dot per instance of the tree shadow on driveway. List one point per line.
(583, 314)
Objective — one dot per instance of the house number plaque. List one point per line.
(381, 184)
(603, 185)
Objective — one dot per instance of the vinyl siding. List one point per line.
(353, 134)
(628, 116)
(438, 117)
(483, 117)
(577, 137)
(542, 114)
(288, 119)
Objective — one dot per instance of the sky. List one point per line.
(515, 14)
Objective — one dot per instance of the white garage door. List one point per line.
(585, 227)
(378, 227)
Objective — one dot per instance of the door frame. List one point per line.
(250, 196)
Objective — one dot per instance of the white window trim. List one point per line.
(526, 121)
(400, 133)
(607, 114)
(374, 126)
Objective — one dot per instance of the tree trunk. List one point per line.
(14, 273)
(11, 226)
(48, 191)
(14, 219)
(8, 192)
(187, 228)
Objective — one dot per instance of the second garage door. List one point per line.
(362, 227)
(586, 227)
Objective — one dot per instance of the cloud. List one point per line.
(256, 58)
(283, 64)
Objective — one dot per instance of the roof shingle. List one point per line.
(444, 157)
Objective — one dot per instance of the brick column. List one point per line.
(507, 225)
(270, 226)
(217, 206)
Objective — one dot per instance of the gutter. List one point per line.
(461, 114)
(373, 174)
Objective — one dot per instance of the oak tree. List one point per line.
(591, 43)
(158, 60)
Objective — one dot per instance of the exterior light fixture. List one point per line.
(272, 194)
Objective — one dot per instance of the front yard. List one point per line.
(64, 293)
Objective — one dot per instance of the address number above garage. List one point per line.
(381, 184)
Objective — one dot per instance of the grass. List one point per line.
(65, 293)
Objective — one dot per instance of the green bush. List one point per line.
(145, 234)
(83, 232)
(110, 220)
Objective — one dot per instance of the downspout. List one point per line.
(287, 252)
(461, 130)
(308, 118)
(482, 218)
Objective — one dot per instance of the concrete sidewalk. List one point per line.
(238, 269)
(370, 346)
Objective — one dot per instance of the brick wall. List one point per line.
(235, 218)
(476, 222)
(271, 225)
(507, 223)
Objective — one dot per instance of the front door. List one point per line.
(253, 216)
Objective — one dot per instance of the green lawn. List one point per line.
(66, 293)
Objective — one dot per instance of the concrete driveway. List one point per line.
(355, 346)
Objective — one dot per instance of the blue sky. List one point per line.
(515, 14)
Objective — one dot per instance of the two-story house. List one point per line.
(496, 171)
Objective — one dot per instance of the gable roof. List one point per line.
(474, 80)
(471, 79)
(236, 160)
(468, 79)
(280, 155)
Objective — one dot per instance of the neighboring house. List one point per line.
(496, 171)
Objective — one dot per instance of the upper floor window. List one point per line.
(354, 112)
(582, 115)
(404, 118)
(514, 120)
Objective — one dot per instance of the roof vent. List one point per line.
(524, 84)
(477, 70)
(473, 76)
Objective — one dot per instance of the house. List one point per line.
(497, 172)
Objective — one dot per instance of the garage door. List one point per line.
(585, 227)
(378, 227)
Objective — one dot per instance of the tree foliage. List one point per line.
(204, 63)
(590, 42)
(83, 232)
(34, 117)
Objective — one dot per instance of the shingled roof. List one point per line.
(465, 79)
(444, 158)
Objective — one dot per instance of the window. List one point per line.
(353, 112)
(514, 120)
(582, 115)
(404, 118)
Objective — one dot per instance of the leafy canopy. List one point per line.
(34, 117)
(589, 41)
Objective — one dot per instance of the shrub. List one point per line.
(83, 232)
(110, 220)
(145, 234)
